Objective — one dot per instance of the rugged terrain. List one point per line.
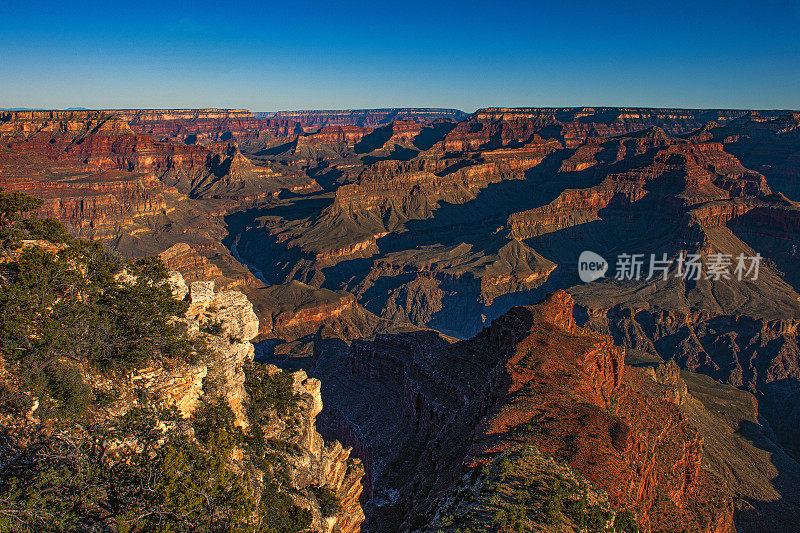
(382, 250)
(76, 429)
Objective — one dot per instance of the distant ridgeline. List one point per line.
(365, 117)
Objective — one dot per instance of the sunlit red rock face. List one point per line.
(207, 125)
(388, 193)
(294, 310)
(93, 138)
(670, 172)
(517, 170)
(570, 393)
(339, 134)
(756, 354)
(419, 219)
(532, 378)
(92, 170)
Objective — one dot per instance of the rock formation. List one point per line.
(351, 231)
(534, 378)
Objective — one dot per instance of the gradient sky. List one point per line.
(326, 54)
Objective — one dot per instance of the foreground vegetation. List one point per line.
(68, 328)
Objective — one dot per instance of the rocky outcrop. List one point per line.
(317, 475)
(450, 288)
(315, 463)
(230, 350)
(571, 208)
(193, 266)
(772, 214)
(294, 310)
(95, 138)
(230, 175)
(318, 464)
(385, 196)
(621, 430)
(403, 195)
(668, 173)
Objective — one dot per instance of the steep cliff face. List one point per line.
(757, 355)
(575, 125)
(193, 266)
(592, 175)
(205, 126)
(534, 378)
(93, 138)
(640, 451)
(481, 131)
(343, 134)
(767, 144)
(386, 195)
(309, 462)
(92, 141)
(99, 208)
(319, 464)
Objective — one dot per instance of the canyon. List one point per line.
(422, 264)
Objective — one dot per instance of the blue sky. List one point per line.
(314, 55)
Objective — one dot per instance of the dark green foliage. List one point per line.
(505, 468)
(64, 316)
(13, 204)
(212, 328)
(48, 229)
(152, 268)
(267, 392)
(596, 518)
(625, 522)
(278, 512)
(215, 426)
(589, 517)
(60, 484)
(329, 504)
(139, 315)
(554, 502)
(62, 313)
(56, 486)
(576, 510)
(65, 384)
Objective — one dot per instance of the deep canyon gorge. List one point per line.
(414, 274)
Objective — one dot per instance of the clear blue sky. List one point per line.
(327, 54)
